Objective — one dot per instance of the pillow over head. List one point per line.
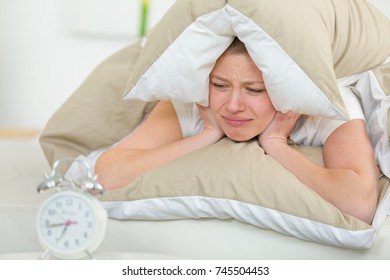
(300, 62)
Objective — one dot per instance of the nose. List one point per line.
(235, 103)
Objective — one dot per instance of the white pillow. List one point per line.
(181, 72)
(293, 43)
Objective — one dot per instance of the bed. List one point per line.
(22, 167)
(182, 209)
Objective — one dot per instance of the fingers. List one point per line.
(280, 127)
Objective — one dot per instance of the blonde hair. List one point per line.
(236, 47)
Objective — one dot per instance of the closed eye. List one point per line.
(219, 86)
(255, 90)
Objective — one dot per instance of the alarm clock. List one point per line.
(71, 223)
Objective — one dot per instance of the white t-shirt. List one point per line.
(310, 131)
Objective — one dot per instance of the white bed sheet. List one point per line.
(22, 165)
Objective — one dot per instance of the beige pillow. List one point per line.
(237, 180)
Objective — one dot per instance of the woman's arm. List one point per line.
(156, 141)
(349, 179)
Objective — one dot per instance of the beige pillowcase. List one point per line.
(237, 180)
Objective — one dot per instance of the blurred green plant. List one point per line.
(144, 16)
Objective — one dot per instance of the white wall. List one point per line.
(48, 47)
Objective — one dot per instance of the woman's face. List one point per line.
(239, 100)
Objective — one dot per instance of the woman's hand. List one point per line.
(209, 122)
(280, 128)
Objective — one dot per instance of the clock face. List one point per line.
(69, 224)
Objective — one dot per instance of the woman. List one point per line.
(240, 108)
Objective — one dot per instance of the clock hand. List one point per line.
(55, 225)
(64, 230)
(67, 223)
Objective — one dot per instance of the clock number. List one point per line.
(58, 204)
(51, 212)
(69, 202)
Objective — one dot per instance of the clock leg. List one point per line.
(44, 255)
(89, 255)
